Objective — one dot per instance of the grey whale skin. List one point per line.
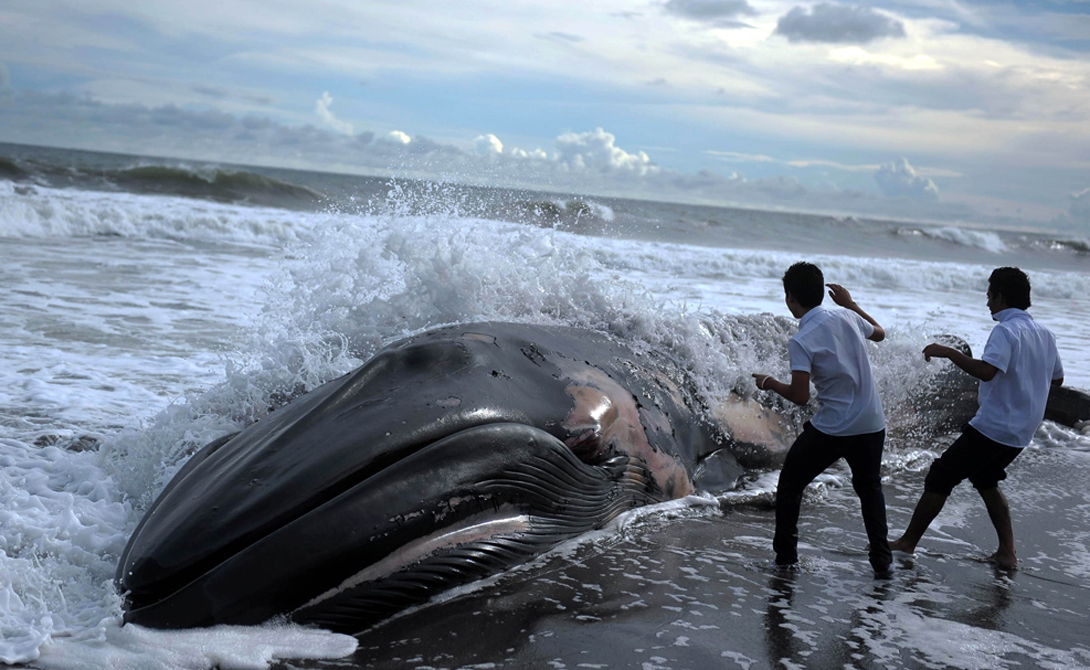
(449, 456)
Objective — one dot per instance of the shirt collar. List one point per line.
(809, 316)
(1010, 313)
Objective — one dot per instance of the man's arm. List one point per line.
(798, 391)
(842, 297)
(974, 366)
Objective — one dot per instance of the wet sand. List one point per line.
(693, 589)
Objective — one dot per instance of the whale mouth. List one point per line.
(526, 506)
(464, 507)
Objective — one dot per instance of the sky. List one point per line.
(973, 110)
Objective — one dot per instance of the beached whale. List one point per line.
(447, 457)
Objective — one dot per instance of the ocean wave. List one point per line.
(1080, 247)
(150, 176)
(35, 211)
(10, 169)
(977, 239)
(721, 265)
(220, 184)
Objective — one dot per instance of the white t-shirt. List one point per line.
(1012, 404)
(831, 346)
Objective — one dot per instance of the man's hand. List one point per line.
(761, 380)
(982, 370)
(840, 295)
(935, 350)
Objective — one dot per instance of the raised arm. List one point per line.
(842, 297)
(974, 366)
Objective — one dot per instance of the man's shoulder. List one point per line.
(829, 324)
(1022, 323)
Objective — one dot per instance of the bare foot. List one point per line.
(1006, 562)
(901, 545)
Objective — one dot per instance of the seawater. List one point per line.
(150, 307)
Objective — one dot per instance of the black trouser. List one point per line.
(813, 452)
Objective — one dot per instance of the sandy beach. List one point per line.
(691, 589)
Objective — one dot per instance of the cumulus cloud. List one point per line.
(397, 137)
(596, 151)
(899, 179)
(322, 108)
(487, 145)
(534, 155)
(710, 11)
(840, 24)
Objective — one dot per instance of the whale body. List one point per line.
(447, 457)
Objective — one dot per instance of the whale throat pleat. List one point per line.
(546, 499)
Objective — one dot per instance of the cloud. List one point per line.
(596, 151)
(534, 155)
(899, 179)
(321, 107)
(563, 37)
(487, 145)
(718, 12)
(397, 137)
(841, 24)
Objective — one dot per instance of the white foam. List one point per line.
(226, 647)
(988, 241)
(34, 212)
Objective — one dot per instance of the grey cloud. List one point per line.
(837, 24)
(899, 179)
(782, 188)
(565, 37)
(209, 91)
(719, 12)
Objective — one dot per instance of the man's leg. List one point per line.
(807, 458)
(986, 482)
(927, 509)
(956, 464)
(1000, 514)
(864, 456)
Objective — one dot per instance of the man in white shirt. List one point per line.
(830, 350)
(1019, 364)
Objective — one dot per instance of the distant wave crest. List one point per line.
(221, 184)
(977, 239)
(224, 185)
(34, 211)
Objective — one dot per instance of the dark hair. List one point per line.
(1012, 284)
(806, 283)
